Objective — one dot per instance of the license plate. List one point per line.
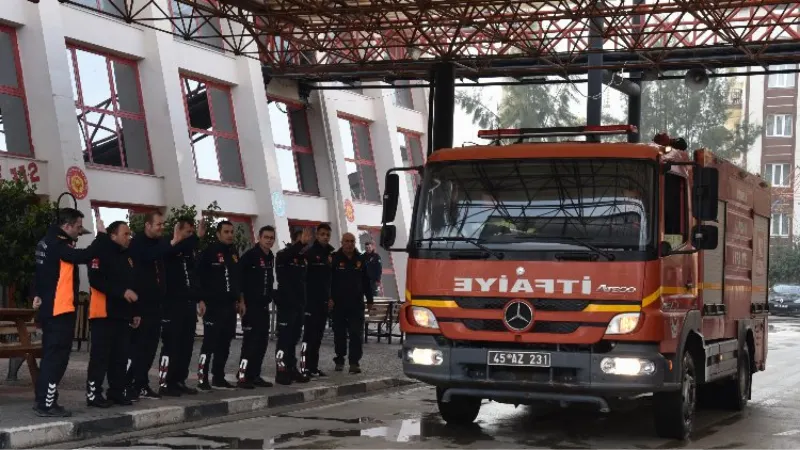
(521, 359)
(782, 306)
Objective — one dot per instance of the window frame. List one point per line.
(784, 181)
(19, 91)
(375, 234)
(132, 209)
(768, 130)
(781, 231)
(295, 148)
(205, 20)
(359, 162)
(114, 112)
(412, 176)
(396, 97)
(233, 218)
(772, 79)
(213, 133)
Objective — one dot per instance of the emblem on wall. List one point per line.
(349, 211)
(77, 183)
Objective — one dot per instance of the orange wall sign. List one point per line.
(77, 183)
(349, 211)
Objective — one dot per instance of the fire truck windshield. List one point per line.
(537, 204)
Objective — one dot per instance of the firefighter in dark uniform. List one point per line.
(374, 267)
(219, 280)
(112, 312)
(181, 306)
(257, 267)
(290, 269)
(148, 250)
(318, 294)
(56, 289)
(350, 283)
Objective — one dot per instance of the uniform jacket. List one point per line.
(111, 273)
(218, 274)
(56, 280)
(291, 270)
(374, 266)
(258, 276)
(180, 266)
(318, 282)
(350, 282)
(148, 255)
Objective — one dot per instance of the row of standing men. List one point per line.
(148, 286)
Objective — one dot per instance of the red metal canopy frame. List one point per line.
(324, 40)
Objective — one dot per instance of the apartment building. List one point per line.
(772, 101)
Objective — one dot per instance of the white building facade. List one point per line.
(155, 121)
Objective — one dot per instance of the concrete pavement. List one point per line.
(409, 419)
(20, 428)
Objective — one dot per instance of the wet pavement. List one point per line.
(408, 419)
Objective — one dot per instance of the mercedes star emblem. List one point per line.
(518, 316)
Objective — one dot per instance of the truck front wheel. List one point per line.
(460, 410)
(674, 411)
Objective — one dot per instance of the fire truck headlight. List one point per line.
(424, 317)
(627, 366)
(425, 357)
(623, 323)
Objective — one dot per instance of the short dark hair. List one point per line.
(296, 234)
(151, 216)
(222, 224)
(182, 221)
(68, 216)
(324, 226)
(266, 228)
(114, 227)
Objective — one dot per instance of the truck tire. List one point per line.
(674, 411)
(736, 391)
(460, 410)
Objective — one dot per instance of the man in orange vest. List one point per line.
(56, 289)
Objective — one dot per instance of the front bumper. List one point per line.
(574, 375)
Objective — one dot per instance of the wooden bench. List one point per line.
(382, 314)
(16, 327)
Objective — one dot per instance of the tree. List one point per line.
(24, 219)
(241, 238)
(521, 106)
(784, 263)
(699, 117)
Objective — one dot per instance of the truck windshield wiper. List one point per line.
(608, 255)
(473, 241)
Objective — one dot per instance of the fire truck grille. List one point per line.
(541, 304)
(538, 327)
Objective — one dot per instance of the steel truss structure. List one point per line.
(325, 40)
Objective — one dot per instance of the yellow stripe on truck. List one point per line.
(435, 303)
(612, 308)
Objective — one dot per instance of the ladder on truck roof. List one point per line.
(523, 133)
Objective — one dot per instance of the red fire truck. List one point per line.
(584, 272)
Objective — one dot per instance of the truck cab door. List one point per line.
(679, 270)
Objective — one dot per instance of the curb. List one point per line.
(77, 429)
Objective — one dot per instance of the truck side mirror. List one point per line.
(391, 196)
(706, 193)
(705, 237)
(388, 236)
